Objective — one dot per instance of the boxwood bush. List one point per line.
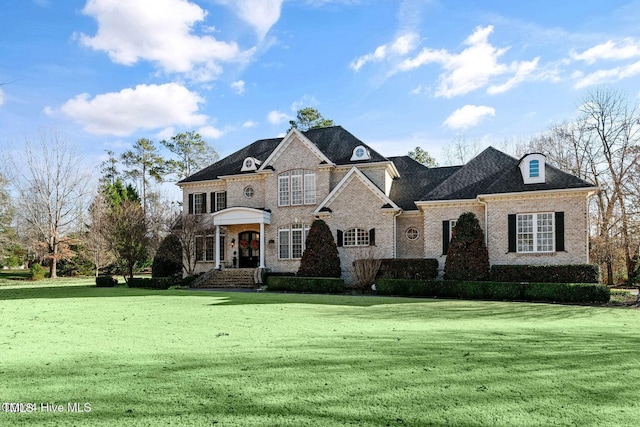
(151, 283)
(413, 268)
(323, 285)
(501, 291)
(577, 273)
(106, 281)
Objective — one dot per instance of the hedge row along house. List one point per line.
(259, 202)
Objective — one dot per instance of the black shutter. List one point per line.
(559, 231)
(213, 202)
(190, 203)
(372, 237)
(340, 238)
(445, 236)
(513, 241)
(204, 202)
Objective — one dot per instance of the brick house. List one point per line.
(259, 202)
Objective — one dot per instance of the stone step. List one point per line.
(226, 278)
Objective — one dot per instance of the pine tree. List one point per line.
(467, 257)
(320, 258)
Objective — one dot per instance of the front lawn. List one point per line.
(141, 357)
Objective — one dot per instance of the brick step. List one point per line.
(226, 278)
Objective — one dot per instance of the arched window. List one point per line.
(356, 237)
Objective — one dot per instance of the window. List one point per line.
(206, 247)
(297, 187)
(534, 169)
(452, 225)
(356, 237)
(249, 192)
(412, 233)
(199, 203)
(219, 201)
(291, 241)
(535, 232)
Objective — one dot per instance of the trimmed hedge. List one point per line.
(577, 273)
(151, 283)
(323, 285)
(106, 281)
(412, 268)
(499, 291)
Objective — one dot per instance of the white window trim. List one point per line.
(452, 225)
(535, 217)
(412, 229)
(302, 194)
(203, 207)
(217, 202)
(289, 231)
(202, 257)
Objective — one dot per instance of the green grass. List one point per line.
(154, 358)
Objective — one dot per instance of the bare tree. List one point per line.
(461, 150)
(51, 186)
(187, 228)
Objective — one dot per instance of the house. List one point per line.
(259, 202)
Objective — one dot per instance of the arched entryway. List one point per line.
(249, 249)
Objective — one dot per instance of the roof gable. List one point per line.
(355, 173)
(294, 134)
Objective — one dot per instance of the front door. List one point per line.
(249, 249)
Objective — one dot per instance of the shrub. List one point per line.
(577, 273)
(76, 266)
(36, 272)
(150, 283)
(320, 257)
(168, 259)
(325, 285)
(106, 281)
(366, 270)
(414, 268)
(467, 256)
(501, 291)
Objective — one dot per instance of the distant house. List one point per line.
(260, 201)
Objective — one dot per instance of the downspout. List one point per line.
(395, 234)
(486, 222)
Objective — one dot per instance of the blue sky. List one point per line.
(397, 74)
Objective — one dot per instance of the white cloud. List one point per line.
(238, 87)
(159, 31)
(401, 46)
(468, 116)
(249, 124)
(629, 48)
(276, 117)
(260, 14)
(475, 67)
(606, 76)
(143, 107)
(210, 132)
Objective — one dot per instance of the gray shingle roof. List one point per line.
(335, 142)
(494, 172)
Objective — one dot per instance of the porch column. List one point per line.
(217, 247)
(262, 245)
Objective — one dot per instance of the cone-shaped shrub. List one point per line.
(467, 257)
(320, 258)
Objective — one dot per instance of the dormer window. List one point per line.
(361, 153)
(250, 164)
(532, 168)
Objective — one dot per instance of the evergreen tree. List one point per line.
(467, 257)
(320, 258)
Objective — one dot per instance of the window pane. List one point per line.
(363, 237)
(356, 237)
(199, 248)
(283, 189)
(309, 188)
(545, 232)
(221, 200)
(296, 241)
(296, 187)
(210, 247)
(534, 168)
(283, 243)
(525, 233)
(198, 200)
